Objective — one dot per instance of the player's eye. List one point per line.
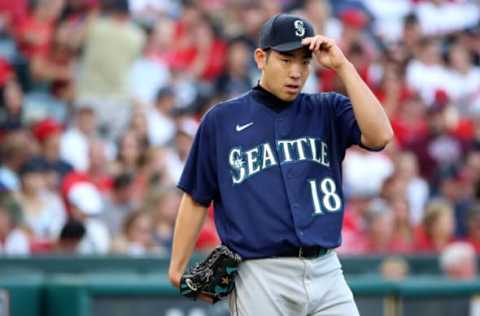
(285, 60)
(306, 62)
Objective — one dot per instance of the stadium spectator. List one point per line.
(473, 228)
(139, 126)
(175, 159)
(136, 238)
(464, 83)
(71, 236)
(130, 154)
(382, 234)
(161, 115)
(14, 152)
(119, 203)
(359, 164)
(403, 232)
(417, 189)
(11, 108)
(150, 72)
(426, 73)
(14, 240)
(43, 211)
(162, 205)
(440, 17)
(458, 261)
(437, 228)
(35, 32)
(235, 79)
(104, 72)
(48, 133)
(56, 65)
(394, 268)
(85, 206)
(74, 144)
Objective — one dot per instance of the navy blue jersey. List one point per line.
(274, 176)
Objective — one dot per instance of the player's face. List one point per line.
(284, 74)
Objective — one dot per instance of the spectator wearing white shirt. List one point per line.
(43, 210)
(75, 141)
(417, 190)
(148, 11)
(426, 73)
(360, 165)
(465, 78)
(458, 261)
(176, 158)
(160, 123)
(388, 17)
(440, 17)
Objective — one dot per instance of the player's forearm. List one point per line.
(190, 218)
(371, 117)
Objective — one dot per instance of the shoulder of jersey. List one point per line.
(225, 105)
(323, 99)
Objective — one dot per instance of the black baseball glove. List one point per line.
(213, 277)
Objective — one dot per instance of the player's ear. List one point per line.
(261, 58)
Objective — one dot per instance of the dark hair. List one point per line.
(163, 93)
(122, 181)
(72, 230)
(131, 219)
(36, 164)
(115, 6)
(267, 51)
(410, 19)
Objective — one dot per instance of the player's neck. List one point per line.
(268, 99)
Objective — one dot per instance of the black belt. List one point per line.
(304, 252)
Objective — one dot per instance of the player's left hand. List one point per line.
(327, 53)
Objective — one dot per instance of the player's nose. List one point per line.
(295, 72)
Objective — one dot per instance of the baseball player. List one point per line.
(270, 160)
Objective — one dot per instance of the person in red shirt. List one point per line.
(437, 228)
(34, 34)
(202, 53)
(473, 228)
(12, 12)
(56, 64)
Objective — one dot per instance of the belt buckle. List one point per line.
(300, 252)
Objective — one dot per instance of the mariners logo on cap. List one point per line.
(299, 28)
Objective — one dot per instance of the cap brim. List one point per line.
(286, 47)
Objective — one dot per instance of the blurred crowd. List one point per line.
(100, 101)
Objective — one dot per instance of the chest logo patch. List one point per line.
(240, 128)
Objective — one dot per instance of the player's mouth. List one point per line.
(292, 88)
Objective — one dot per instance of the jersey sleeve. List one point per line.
(347, 127)
(199, 176)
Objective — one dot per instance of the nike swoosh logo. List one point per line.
(240, 128)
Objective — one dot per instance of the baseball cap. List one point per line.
(284, 32)
(34, 165)
(86, 197)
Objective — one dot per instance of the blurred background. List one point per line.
(99, 104)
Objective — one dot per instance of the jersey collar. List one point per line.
(269, 100)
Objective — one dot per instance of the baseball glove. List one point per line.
(213, 277)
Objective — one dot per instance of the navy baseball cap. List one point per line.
(284, 32)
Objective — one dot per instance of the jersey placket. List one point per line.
(288, 170)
